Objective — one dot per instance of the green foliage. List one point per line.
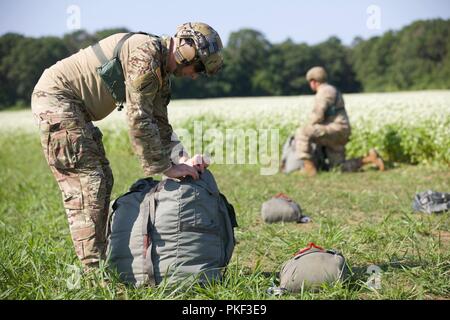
(419, 143)
(26, 60)
(425, 142)
(81, 39)
(99, 35)
(23, 60)
(77, 40)
(254, 67)
(416, 57)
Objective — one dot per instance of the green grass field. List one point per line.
(367, 216)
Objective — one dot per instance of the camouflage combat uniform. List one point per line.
(69, 97)
(328, 127)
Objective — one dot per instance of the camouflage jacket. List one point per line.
(148, 94)
(329, 107)
(144, 61)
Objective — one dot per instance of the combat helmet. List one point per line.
(317, 73)
(206, 49)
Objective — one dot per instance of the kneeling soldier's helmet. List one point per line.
(317, 73)
(204, 48)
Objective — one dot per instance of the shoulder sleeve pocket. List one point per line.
(145, 84)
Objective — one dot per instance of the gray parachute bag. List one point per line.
(312, 267)
(171, 230)
(281, 208)
(431, 202)
(290, 161)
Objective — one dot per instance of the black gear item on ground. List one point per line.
(431, 202)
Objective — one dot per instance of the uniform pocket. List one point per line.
(186, 227)
(63, 149)
(97, 136)
(96, 188)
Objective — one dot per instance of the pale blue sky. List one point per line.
(303, 21)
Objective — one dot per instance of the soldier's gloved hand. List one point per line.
(199, 162)
(180, 171)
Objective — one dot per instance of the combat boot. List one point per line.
(309, 168)
(374, 158)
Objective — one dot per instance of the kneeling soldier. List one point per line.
(329, 127)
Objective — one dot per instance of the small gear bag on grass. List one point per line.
(311, 267)
(178, 230)
(281, 208)
(290, 161)
(431, 202)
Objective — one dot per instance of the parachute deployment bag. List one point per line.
(311, 267)
(289, 159)
(127, 233)
(171, 230)
(281, 208)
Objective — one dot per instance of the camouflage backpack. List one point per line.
(173, 230)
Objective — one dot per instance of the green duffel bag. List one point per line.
(312, 267)
(175, 230)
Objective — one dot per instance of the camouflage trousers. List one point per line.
(74, 151)
(334, 138)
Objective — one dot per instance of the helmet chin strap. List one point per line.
(178, 70)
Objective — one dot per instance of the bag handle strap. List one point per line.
(119, 45)
(282, 195)
(118, 48)
(111, 208)
(309, 247)
(200, 182)
(333, 109)
(148, 219)
(99, 53)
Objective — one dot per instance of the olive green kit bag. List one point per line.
(172, 231)
(281, 208)
(312, 267)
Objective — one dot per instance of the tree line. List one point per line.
(416, 57)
